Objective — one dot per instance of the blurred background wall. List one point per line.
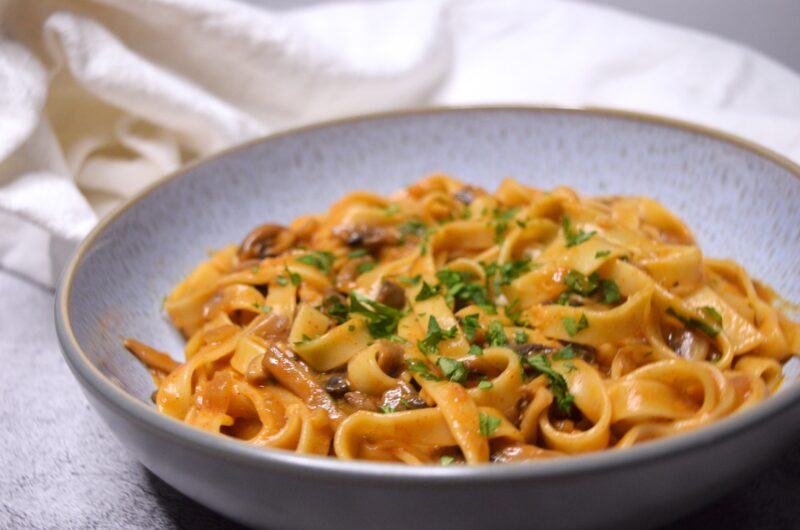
(770, 26)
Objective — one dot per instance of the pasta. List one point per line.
(445, 325)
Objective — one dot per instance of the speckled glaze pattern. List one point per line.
(738, 204)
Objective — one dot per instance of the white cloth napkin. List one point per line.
(100, 97)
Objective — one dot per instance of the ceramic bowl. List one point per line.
(740, 200)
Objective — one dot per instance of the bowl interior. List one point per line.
(738, 203)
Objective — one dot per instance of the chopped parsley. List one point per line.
(412, 227)
(322, 260)
(713, 314)
(357, 253)
(488, 424)
(453, 370)
(382, 320)
(263, 308)
(430, 343)
(694, 323)
(573, 327)
(565, 353)
(293, 276)
(580, 284)
(409, 280)
(282, 281)
(427, 291)
(386, 409)
(391, 209)
(520, 337)
(459, 291)
(365, 267)
(610, 290)
(572, 236)
(485, 385)
(254, 269)
(496, 335)
(602, 253)
(470, 326)
(558, 385)
(419, 367)
(335, 309)
(446, 460)
(475, 350)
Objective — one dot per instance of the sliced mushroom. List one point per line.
(391, 294)
(360, 401)
(526, 350)
(280, 363)
(337, 385)
(265, 241)
(390, 358)
(464, 196)
(370, 237)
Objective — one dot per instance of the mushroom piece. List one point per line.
(370, 237)
(390, 358)
(391, 294)
(266, 241)
(360, 401)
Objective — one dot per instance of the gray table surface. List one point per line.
(61, 468)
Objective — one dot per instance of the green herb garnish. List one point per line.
(610, 290)
(419, 367)
(453, 370)
(520, 337)
(365, 267)
(263, 308)
(386, 409)
(572, 236)
(572, 327)
(485, 385)
(430, 343)
(713, 314)
(382, 320)
(322, 260)
(357, 253)
(446, 460)
(496, 335)
(475, 350)
(335, 309)
(409, 280)
(470, 326)
(565, 353)
(602, 253)
(427, 291)
(488, 424)
(694, 323)
(558, 385)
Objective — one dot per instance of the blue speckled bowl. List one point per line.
(740, 200)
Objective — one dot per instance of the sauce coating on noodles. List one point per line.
(445, 324)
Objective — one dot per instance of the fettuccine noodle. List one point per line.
(445, 324)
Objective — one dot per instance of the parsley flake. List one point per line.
(365, 267)
(430, 343)
(386, 409)
(488, 424)
(558, 385)
(427, 291)
(485, 385)
(322, 260)
(713, 314)
(610, 290)
(419, 367)
(694, 323)
(446, 460)
(572, 236)
(572, 327)
(357, 253)
(382, 320)
(470, 326)
(453, 370)
(475, 350)
(602, 253)
(496, 335)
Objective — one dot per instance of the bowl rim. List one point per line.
(322, 467)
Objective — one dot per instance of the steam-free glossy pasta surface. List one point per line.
(447, 324)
